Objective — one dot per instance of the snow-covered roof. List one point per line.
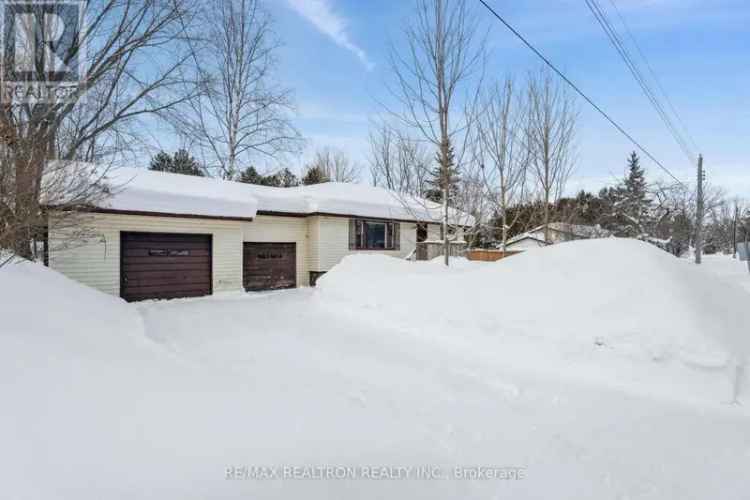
(524, 236)
(580, 230)
(140, 190)
(370, 201)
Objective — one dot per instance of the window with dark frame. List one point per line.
(367, 234)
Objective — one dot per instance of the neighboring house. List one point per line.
(163, 235)
(558, 233)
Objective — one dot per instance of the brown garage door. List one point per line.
(269, 266)
(164, 266)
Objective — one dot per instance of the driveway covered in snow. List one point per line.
(383, 366)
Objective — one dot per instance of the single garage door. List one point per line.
(269, 266)
(164, 265)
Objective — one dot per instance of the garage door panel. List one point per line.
(166, 280)
(165, 266)
(152, 295)
(172, 288)
(146, 245)
(269, 266)
(197, 261)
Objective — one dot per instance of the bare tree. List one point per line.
(335, 165)
(398, 162)
(438, 72)
(116, 56)
(242, 110)
(503, 150)
(550, 136)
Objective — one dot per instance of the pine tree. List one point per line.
(626, 208)
(162, 162)
(440, 176)
(283, 178)
(314, 175)
(180, 163)
(184, 163)
(287, 179)
(250, 176)
(634, 205)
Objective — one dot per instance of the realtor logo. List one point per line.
(42, 49)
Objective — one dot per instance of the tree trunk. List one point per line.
(446, 242)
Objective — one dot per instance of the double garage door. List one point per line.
(168, 266)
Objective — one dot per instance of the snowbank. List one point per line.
(41, 305)
(616, 305)
(388, 364)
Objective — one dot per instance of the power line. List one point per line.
(653, 74)
(622, 50)
(579, 91)
(634, 70)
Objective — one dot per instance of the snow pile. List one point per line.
(158, 400)
(614, 305)
(725, 267)
(36, 302)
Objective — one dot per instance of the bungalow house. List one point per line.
(160, 235)
(558, 232)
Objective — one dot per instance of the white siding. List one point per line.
(524, 244)
(433, 232)
(272, 229)
(96, 262)
(332, 241)
(313, 247)
(322, 241)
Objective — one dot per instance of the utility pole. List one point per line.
(699, 213)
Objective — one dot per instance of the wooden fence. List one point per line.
(486, 255)
(428, 250)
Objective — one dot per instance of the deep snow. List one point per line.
(618, 391)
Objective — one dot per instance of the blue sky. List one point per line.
(335, 57)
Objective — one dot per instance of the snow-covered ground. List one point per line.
(595, 369)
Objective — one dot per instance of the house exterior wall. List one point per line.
(96, 261)
(433, 232)
(554, 236)
(525, 244)
(321, 243)
(273, 229)
(330, 237)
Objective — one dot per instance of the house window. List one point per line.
(373, 235)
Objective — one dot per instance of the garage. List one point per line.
(164, 265)
(269, 266)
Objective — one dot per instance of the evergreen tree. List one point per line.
(627, 207)
(184, 163)
(180, 163)
(283, 178)
(314, 175)
(609, 198)
(162, 162)
(287, 179)
(250, 176)
(634, 205)
(442, 175)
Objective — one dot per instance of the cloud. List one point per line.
(321, 14)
